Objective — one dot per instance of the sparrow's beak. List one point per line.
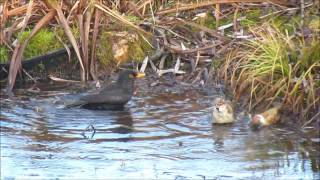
(254, 123)
(140, 75)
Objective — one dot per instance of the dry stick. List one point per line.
(62, 80)
(197, 60)
(7, 33)
(302, 11)
(217, 14)
(313, 118)
(33, 79)
(114, 14)
(64, 44)
(15, 62)
(197, 77)
(94, 40)
(63, 22)
(17, 11)
(284, 10)
(199, 5)
(174, 33)
(178, 50)
(81, 31)
(143, 5)
(162, 61)
(87, 21)
(235, 29)
(4, 17)
(72, 9)
(203, 28)
(144, 64)
(119, 17)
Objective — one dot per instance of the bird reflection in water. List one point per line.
(122, 118)
(220, 133)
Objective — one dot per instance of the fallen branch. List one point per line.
(181, 51)
(205, 4)
(62, 80)
(203, 28)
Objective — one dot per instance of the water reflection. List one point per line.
(164, 136)
(124, 119)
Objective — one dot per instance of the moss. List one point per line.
(4, 54)
(104, 48)
(138, 48)
(314, 23)
(44, 41)
(252, 17)
(310, 54)
(133, 18)
(286, 23)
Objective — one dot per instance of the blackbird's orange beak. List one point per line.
(140, 75)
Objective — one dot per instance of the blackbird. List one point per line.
(111, 97)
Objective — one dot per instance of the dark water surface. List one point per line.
(157, 136)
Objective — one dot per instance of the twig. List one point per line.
(174, 33)
(144, 64)
(284, 10)
(178, 50)
(62, 80)
(161, 72)
(203, 28)
(313, 118)
(302, 11)
(217, 15)
(200, 5)
(161, 64)
(235, 29)
(34, 80)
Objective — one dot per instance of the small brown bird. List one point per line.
(222, 111)
(269, 117)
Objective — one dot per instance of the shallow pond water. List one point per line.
(157, 136)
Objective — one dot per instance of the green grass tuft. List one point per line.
(44, 41)
(4, 54)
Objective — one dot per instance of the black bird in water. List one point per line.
(111, 97)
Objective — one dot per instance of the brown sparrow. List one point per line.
(271, 116)
(222, 111)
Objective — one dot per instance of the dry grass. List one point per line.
(275, 66)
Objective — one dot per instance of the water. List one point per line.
(157, 136)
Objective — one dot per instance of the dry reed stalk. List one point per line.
(15, 63)
(217, 15)
(63, 22)
(114, 14)
(85, 44)
(94, 40)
